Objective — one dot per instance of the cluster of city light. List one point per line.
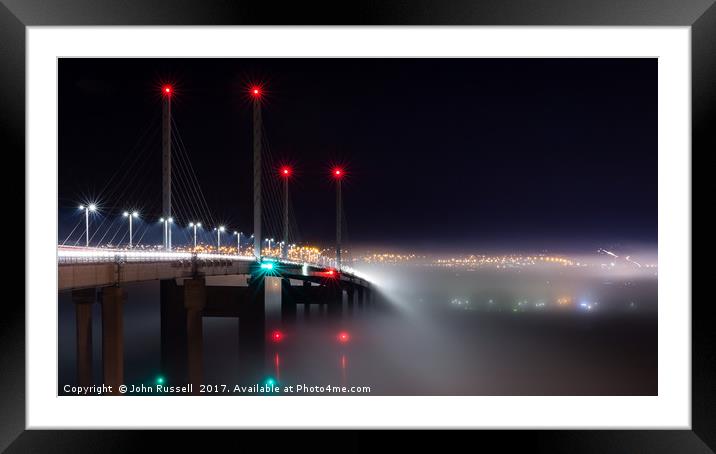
(470, 261)
(503, 261)
(564, 302)
(391, 258)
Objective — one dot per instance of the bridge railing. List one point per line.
(74, 255)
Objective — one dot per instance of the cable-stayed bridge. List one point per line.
(198, 274)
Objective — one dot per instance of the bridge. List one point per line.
(198, 280)
(81, 268)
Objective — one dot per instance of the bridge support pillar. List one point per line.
(306, 299)
(173, 332)
(113, 337)
(335, 301)
(194, 302)
(361, 297)
(350, 298)
(83, 300)
(252, 331)
(288, 301)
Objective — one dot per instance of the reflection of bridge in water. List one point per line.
(263, 295)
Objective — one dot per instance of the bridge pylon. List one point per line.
(167, 92)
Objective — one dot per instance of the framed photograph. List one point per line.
(409, 216)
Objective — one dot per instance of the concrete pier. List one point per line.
(288, 301)
(113, 337)
(350, 299)
(361, 298)
(83, 300)
(252, 330)
(194, 302)
(334, 300)
(173, 332)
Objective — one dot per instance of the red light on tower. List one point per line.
(337, 172)
(343, 337)
(167, 90)
(255, 91)
(276, 336)
(285, 171)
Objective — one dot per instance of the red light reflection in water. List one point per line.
(344, 369)
(277, 366)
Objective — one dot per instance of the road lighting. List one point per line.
(88, 208)
(167, 231)
(238, 242)
(195, 225)
(218, 237)
(134, 214)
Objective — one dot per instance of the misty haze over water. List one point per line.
(542, 330)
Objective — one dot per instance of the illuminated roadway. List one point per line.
(80, 268)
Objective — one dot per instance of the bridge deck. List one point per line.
(89, 268)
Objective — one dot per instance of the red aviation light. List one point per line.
(337, 172)
(343, 337)
(167, 90)
(276, 336)
(285, 171)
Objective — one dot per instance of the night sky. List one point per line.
(461, 154)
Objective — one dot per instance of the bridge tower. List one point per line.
(256, 95)
(286, 174)
(167, 92)
(338, 175)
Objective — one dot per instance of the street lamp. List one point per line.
(195, 225)
(238, 242)
(218, 237)
(88, 208)
(167, 231)
(134, 214)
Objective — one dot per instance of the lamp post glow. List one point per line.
(218, 237)
(238, 242)
(195, 225)
(88, 208)
(167, 231)
(134, 214)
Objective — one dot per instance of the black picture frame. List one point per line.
(700, 15)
